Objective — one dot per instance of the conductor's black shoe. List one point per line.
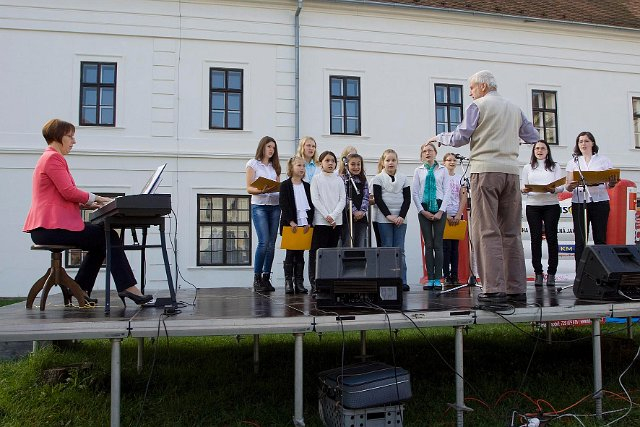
(517, 297)
(405, 288)
(492, 297)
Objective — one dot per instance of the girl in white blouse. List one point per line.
(543, 209)
(586, 158)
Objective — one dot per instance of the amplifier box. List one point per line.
(608, 272)
(359, 276)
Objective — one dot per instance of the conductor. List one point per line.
(493, 127)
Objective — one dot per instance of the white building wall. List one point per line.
(164, 50)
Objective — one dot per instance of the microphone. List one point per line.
(460, 157)
(345, 161)
(575, 157)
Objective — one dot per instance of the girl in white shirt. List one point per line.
(392, 194)
(329, 198)
(543, 209)
(431, 198)
(455, 212)
(265, 210)
(586, 158)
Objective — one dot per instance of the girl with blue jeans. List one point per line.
(393, 197)
(265, 210)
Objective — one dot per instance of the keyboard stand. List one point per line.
(132, 223)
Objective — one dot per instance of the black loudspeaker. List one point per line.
(608, 272)
(359, 277)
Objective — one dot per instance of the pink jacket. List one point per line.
(55, 199)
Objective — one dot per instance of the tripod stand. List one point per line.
(471, 281)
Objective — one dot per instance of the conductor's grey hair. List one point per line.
(485, 77)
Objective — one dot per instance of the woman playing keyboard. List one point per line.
(55, 219)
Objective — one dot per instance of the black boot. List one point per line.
(298, 278)
(257, 283)
(266, 282)
(288, 277)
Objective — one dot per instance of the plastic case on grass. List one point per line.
(333, 414)
(366, 385)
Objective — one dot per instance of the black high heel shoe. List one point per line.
(138, 299)
(89, 300)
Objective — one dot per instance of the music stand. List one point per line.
(351, 187)
(471, 281)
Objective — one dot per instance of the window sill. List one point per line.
(206, 130)
(335, 135)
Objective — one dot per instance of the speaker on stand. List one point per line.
(359, 276)
(608, 272)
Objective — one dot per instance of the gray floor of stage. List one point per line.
(228, 311)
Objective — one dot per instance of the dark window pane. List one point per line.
(352, 126)
(550, 136)
(550, 100)
(217, 101)
(336, 125)
(234, 80)
(234, 101)
(336, 107)
(352, 108)
(233, 120)
(106, 115)
(456, 115)
(441, 94)
(353, 88)
(108, 74)
(537, 119)
(217, 118)
(218, 80)
(106, 96)
(89, 73)
(336, 87)
(89, 96)
(455, 94)
(537, 100)
(89, 115)
(549, 119)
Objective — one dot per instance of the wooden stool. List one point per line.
(55, 275)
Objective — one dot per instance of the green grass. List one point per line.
(8, 301)
(210, 381)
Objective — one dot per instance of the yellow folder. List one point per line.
(455, 232)
(597, 177)
(298, 241)
(273, 186)
(543, 188)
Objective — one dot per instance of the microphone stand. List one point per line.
(351, 186)
(472, 281)
(585, 193)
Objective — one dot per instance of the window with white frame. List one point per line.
(545, 114)
(345, 105)
(226, 90)
(635, 102)
(448, 106)
(224, 229)
(98, 93)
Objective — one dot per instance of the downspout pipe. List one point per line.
(297, 74)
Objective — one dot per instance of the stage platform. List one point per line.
(240, 311)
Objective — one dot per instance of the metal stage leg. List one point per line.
(597, 367)
(140, 353)
(547, 326)
(363, 345)
(256, 353)
(459, 378)
(298, 406)
(115, 382)
(630, 328)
